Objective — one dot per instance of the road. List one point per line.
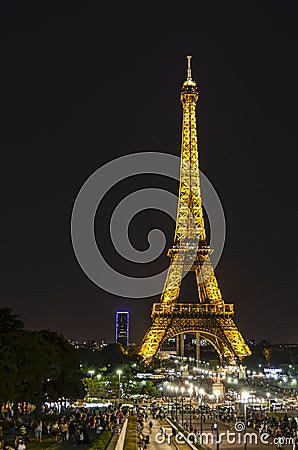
(229, 438)
(159, 436)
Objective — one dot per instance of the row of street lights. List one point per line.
(244, 398)
(190, 390)
(92, 372)
(201, 393)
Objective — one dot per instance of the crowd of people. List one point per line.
(73, 427)
(142, 418)
(277, 426)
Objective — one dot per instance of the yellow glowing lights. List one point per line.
(212, 317)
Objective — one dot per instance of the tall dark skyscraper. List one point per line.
(122, 327)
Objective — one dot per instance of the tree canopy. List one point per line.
(9, 321)
(35, 365)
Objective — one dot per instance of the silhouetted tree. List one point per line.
(9, 321)
(35, 365)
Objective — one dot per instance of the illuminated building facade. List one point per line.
(122, 327)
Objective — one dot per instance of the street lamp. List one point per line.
(182, 389)
(190, 391)
(244, 398)
(91, 372)
(201, 392)
(168, 396)
(217, 394)
(171, 389)
(176, 390)
(268, 397)
(119, 373)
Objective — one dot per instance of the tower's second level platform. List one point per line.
(193, 310)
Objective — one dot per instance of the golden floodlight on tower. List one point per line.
(211, 318)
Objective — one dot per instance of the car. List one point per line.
(257, 407)
(278, 406)
(187, 407)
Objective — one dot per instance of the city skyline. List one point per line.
(61, 123)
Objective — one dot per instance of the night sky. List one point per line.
(81, 87)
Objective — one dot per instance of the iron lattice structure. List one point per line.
(212, 318)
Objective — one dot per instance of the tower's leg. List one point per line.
(153, 339)
(177, 345)
(198, 348)
(181, 344)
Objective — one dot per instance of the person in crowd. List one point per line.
(64, 431)
(38, 431)
(72, 432)
(56, 430)
(21, 445)
(4, 445)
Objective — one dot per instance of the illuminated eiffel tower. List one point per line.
(211, 318)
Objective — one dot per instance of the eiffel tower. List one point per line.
(211, 318)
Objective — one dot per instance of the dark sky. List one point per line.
(80, 88)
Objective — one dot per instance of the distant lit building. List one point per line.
(88, 345)
(122, 327)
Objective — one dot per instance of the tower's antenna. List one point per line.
(188, 67)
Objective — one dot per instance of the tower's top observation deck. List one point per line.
(189, 87)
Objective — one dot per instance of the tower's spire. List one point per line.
(189, 68)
